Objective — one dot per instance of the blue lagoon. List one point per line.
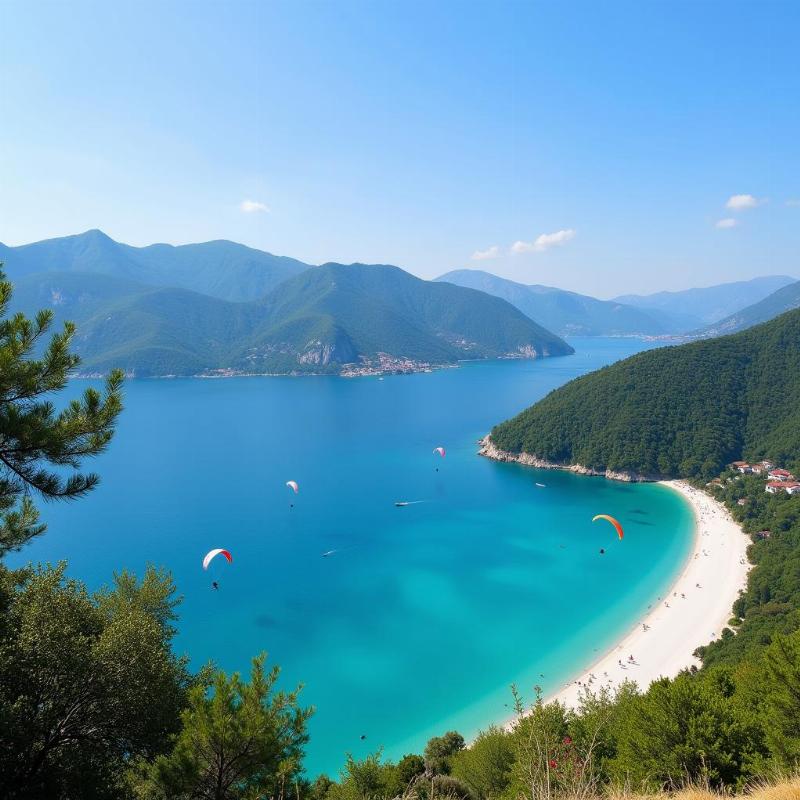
(423, 615)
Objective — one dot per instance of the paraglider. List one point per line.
(541, 485)
(214, 585)
(614, 522)
(293, 486)
(328, 553)
(440, 451)
(211, 554)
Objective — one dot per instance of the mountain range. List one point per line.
(221, 306)
(695, 308)
(784, 299)
(222, 269)
(566, 312)
(319, 319)
(659, 314)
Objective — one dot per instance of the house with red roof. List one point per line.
(780, 475)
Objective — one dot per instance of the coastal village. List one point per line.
(777, 479)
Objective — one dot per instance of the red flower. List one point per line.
(567, 740)
(553, 763)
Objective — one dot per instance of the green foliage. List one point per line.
(442, 787)
(676, 411)
(540, 743)
(245, 740)
(366, 779)
(409, 768)
(485, 765)
(87, 683)
(770, 604)
(41, 448)
(440, 750)
(687, 729)
(782, 701)
(320, 788)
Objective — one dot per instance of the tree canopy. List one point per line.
(683, 411)
(237, 740)
(87, 681)
(41, 448)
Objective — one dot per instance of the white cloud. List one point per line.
(728, 222)
(793, 203)
(544, 242)
(740, 202)
(253, 206)
(485, 255)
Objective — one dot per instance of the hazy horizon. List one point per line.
(610, 149)
(474, 267)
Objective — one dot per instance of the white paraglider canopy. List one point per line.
(212, 554)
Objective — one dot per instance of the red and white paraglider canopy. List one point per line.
(293, 486)
(439, 450)
(211, 554)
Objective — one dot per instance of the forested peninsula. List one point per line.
(677, 412)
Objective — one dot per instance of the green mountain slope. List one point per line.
(697, 307)
(222, 269)
(316, 322)
(372, 309)
(785, 299)
(675, 411)
(565, 312)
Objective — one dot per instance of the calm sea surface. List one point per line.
(424, 615)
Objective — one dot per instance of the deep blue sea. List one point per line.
(424, 615)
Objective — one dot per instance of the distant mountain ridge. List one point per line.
(222, 269)
(785, 299)
(699, 307)
(200, 308)
(315, 322)
(565, 312)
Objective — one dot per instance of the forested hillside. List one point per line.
(676, 411)
(317, 321)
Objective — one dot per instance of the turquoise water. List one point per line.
(424, 615)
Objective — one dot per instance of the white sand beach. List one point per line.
(695, 610)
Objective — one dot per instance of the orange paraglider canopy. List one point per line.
(614, 522)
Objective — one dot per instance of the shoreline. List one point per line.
(687, 618)
(488, 449)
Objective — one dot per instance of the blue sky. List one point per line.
(419, 134)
